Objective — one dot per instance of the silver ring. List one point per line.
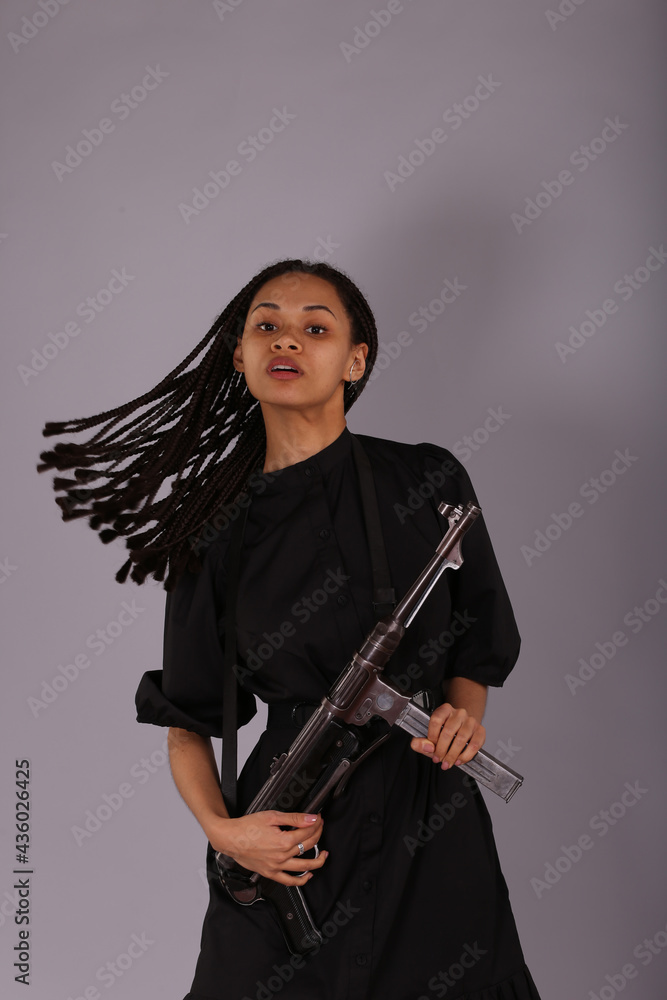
(317, 854)
(302, 849)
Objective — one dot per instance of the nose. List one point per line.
(286, 341)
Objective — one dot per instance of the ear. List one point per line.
(359, 356)
(238, 355)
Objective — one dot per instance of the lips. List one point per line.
(284, 368)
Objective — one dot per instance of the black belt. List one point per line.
(288, 715)
(285, 715)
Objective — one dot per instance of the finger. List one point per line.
(455, 719)
(295, 871)
(298, 864)
(275, 863)
(450, 754)
(422, 745)
(475, 742)
(438, 719)
(299, 820)
(293, 841)
(459, 722)
(286, 879)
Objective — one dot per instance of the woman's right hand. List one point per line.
(256, 842)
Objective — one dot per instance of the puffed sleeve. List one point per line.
(487, 639)
(187, 692)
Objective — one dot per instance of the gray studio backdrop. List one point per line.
(492, 175)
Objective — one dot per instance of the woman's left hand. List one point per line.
(454, 736)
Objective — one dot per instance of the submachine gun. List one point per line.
(344, 730)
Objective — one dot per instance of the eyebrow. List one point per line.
(274, 305)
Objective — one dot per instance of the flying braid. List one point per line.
(159, 467)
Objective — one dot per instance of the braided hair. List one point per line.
(183, 430)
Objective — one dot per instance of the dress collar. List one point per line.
(320, 464)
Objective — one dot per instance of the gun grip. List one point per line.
(296, 923)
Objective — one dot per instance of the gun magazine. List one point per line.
(486, 769)
(495, 776)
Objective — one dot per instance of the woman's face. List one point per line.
(296, 349)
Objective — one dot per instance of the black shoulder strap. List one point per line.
(384, 600)
(384, 597)
(230, 680)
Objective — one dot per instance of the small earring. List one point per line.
(351, 383)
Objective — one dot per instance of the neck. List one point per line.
(293, 436)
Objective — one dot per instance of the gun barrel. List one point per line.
(448, 547)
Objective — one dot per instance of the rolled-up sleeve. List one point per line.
(487, 641)
(187, 692)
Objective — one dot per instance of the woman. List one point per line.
(406, 888)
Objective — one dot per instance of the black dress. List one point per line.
(411, 901)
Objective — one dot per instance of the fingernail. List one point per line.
(435, 758)
(428, 747)
(310, 818)
(445, 765)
